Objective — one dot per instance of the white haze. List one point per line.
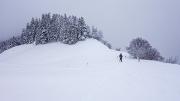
(157, 21)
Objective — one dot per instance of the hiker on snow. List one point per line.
(120, 57)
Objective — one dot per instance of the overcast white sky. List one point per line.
(158, 21)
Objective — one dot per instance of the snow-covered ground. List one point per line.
(86, 71)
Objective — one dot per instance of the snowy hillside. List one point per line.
(86, 71)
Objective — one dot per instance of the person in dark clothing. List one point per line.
(120, 57)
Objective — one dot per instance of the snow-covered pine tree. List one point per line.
(73, 30)
(65, 26)
(43, 31)
(53, 35)
(82, 29)
(66, 29)
(60, 28)
(2, 46)
(26, 34)
(33, 29)
(12, 42)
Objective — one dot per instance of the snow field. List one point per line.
(86, 71)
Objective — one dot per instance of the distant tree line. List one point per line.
(172, 60)
(54, 28)
(98, 35)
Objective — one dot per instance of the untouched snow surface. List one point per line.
(86, 71)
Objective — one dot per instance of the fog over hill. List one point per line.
(120, 20)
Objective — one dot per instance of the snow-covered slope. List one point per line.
(86, 71)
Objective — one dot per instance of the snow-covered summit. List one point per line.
(90, 51)
(86, 71)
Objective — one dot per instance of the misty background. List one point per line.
(158, 21)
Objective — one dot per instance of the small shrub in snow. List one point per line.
(172, 60)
